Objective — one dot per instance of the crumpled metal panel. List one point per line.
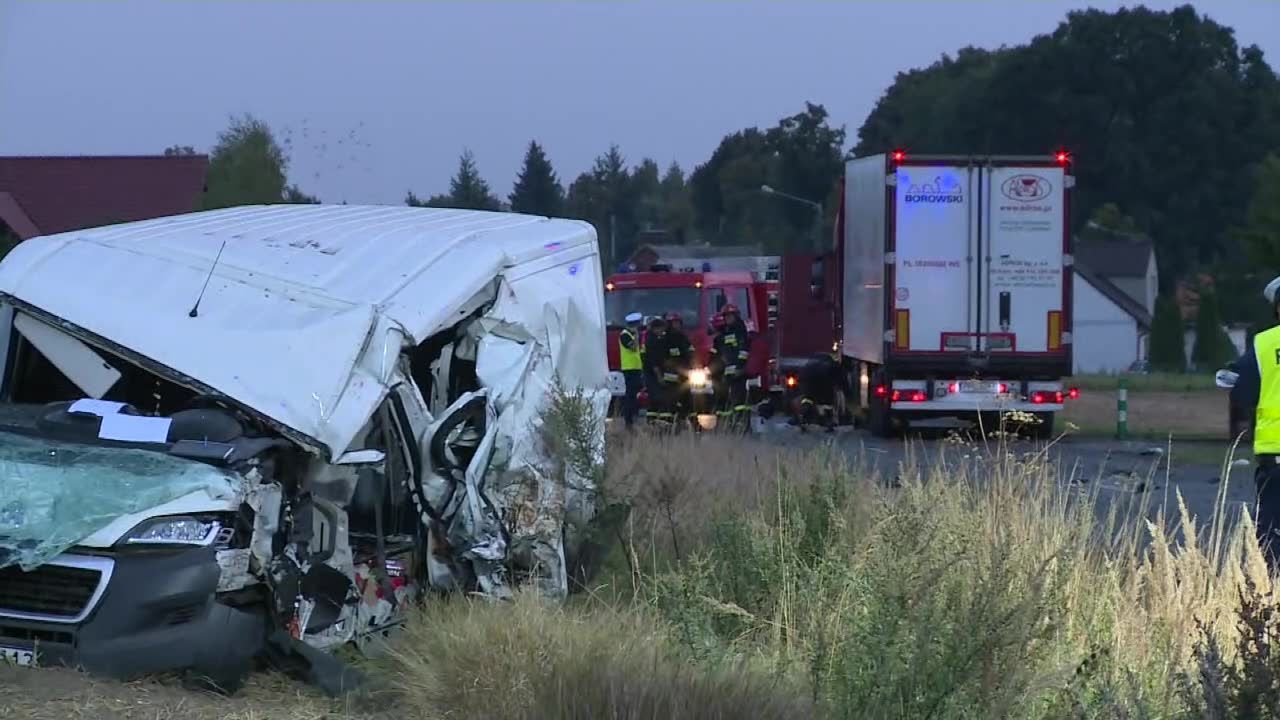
(290, 281)
(54, 494)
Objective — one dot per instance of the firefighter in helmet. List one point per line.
(730, 350)
(715, 368)
(677, 362)
(653, 360)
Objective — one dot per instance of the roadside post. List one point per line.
(1122, 410)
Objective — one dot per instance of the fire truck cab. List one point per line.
(697, 296)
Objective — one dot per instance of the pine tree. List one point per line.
(1167, 350)
(537, 190)
(1213, 347)
(467, 190)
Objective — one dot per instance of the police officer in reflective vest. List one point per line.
(730, 350)
(1259, 370)
(630, 361)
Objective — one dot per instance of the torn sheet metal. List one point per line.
(54, 495)
(322, 282)
(523, 345)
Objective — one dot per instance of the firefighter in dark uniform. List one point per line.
(630, 361)
(715, 368)
(1259, 381)
(730, 350)
(652, 361)
(677, 362)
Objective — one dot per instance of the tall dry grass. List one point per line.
(756, 580)
(980, 584)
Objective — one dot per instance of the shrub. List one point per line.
(1167, 351)
(528, 659)
(1213, 347)
(1248, 684)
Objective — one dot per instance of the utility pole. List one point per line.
(819, 216)
(817, 229)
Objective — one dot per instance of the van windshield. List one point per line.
(53, 494)
(652, 302)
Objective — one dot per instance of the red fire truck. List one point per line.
(697, 296)
(785, 323)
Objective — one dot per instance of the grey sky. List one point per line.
(376, 98)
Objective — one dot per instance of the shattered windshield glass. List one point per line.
(55, 494)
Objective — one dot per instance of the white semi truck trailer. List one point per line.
(954, 286)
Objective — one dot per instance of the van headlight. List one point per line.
(176, 530)
(698, 378)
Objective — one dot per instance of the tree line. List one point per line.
(1174, 131)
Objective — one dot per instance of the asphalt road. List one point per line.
(1130, 474)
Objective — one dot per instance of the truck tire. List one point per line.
(1043, 430)
(879, 421)
(879, 416)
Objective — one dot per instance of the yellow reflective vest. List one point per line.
(628, 358)
(1266, 435)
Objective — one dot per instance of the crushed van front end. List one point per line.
(129, 614)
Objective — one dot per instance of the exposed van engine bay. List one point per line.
(177, 496)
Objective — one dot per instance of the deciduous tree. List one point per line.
(246, 166)
(1164, 114)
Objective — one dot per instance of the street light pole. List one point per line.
(819, 215)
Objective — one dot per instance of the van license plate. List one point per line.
(17, 656)
(977, 386)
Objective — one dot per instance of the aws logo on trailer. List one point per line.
(940, 190)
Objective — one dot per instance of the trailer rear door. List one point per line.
(933, 242)
(1024, 299)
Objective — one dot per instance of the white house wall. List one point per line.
(1106, 337)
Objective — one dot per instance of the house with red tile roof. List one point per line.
(45, 195)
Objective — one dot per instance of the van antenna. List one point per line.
(195, 309)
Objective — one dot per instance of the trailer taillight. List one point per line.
(1073, 394)
(881, 391)
(899, 156)
(908, 396)
(1063, 157)
(1040, 398)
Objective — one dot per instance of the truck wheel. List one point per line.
(880, 419)
(1043, 430)
(988, 423)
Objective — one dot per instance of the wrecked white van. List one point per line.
(266, 429)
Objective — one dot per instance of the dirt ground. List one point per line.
(1199, 414)
(54, 694)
